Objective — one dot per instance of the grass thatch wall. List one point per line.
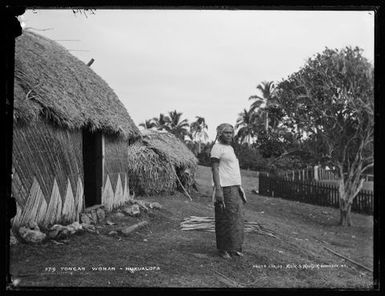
(116, 184)
(48, 174)
(115, 160)
(156, 163)
(48, 166)
(52, 83)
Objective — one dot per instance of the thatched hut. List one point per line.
(70, 136)
(160, 163)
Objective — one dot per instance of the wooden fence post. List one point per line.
(316, 175)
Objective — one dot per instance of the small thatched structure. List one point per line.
(158, 161)
(70, 135)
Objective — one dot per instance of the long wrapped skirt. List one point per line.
(229, 222)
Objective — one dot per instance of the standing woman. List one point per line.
(229, 195)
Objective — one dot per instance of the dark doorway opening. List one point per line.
(93, 167)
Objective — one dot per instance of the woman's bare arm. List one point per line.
(217, 184)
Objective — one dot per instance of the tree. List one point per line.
(271, 145)
(198, 131)
(148, 124)
(247, 126)
(276, 116)
(249, 157)
(332, 99)
(177, 126)
(162, 123)
(267, 99)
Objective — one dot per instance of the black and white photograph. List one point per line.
(193, 148)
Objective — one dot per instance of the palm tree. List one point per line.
(276, 115)
(177, 127)
(246, 125)
(268, 99)
(148, 124)
(162, 123)
(198, 130)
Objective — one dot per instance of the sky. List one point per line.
(199, 62)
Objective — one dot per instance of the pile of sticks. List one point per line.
(208, 224)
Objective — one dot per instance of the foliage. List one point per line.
(204, 155)
(250, 158)
(178, 127)
(331, 101)
(198, 129)
(198, 133)
(287, 162)
(262, 123)
(171, 123)
(267, 90)
(247, 126)
(162, 122)
(276, 115)
(267, 99)
(270, 145)
(148, 124)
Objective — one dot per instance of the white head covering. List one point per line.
(221, 128)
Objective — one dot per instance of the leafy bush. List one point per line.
(250, 158)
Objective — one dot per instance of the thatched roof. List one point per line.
(52, 83)
(157, 162)
(170, 147)
(149, 173)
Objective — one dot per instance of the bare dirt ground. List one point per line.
(175, 258)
